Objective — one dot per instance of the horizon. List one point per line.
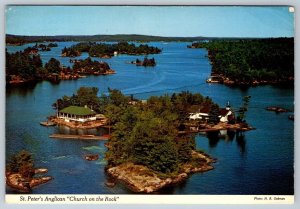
(204, 37)
(166, 21)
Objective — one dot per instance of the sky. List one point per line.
(174, 21)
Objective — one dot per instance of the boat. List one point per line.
(92, 157)
(47, 123)
(276, 109)
(214, 79)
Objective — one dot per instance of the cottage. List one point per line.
(75, 113)
(203, 114)
(225, 114)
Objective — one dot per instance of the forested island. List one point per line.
(150, 145)
(104, 50)
(26, 66)
(251, 62)
(89, 67)
(146, 62)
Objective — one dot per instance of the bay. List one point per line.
(260, 163)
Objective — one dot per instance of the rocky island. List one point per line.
(142, 179)
(146, 62)
(152, 144)
(20, 173)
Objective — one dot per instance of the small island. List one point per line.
(89, 67)
(104, 50)
(152, 142)
(250, 62)
(20, 173)
(146, 62)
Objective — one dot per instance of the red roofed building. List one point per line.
(226, 114)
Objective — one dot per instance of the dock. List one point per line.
(229, 127)
(79, 137)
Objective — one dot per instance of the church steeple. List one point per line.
(228, 106)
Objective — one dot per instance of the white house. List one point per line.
(203, 114)
(75, 113)
(225, 114)
(198, 116)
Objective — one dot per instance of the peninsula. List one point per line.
(250, 62)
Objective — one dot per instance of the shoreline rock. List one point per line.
(86, 125)
(141, 179)
(229, 82)
(24, 185)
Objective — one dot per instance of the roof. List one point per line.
(205, 109)
(224, 111)
(75, 110)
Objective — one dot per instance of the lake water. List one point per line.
(259, 163)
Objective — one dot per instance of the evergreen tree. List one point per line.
(53, 66)
(214, 114)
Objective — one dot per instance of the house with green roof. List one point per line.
(76, 113)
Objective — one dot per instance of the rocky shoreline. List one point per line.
(86, 125)
(230, 82)
(25, 185)
(141, 179)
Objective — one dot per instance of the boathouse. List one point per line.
(75, 113)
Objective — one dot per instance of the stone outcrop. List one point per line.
(25, 185)
(141, 179)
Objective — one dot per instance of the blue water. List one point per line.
(259, 163)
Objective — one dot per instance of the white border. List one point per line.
(151, 199)
(146, 200)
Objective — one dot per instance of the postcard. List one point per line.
(184, 104)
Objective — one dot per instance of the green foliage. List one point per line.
(252, 60)
(145, 134)
(117, 98)
(16, 39)
(146, 62)
(185, 147)
(88, 96)
(22, 163)
(153, 145)
(244, 108)
(102, 49)
(22, 64)
(87, 66)
(53, 66)
(214, 114)
(84, 96)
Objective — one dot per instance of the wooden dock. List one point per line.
(79, 137)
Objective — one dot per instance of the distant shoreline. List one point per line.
(17, 40)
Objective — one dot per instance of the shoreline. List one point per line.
(140, 179)
(24, 185)
(86, 125)
(229, 82)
